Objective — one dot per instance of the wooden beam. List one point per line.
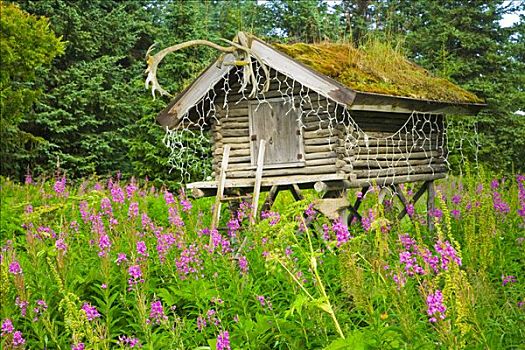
(220, 191)
(270, 198)
(258, 180)
(431, 192)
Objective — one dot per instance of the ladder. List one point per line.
(220, 198)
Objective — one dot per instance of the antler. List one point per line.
(242, 53)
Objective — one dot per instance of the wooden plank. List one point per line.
(296, 192)
(258, 180)
(369, 164)
(413, 155)
(270, 181)
(270, 198)
(311, 156)
(220, 191)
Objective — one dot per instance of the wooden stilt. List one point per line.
(258, 179)
(296, 192)
(431, 204)
(270, 198)
(414, 200)
(220, 190)
(355, 208)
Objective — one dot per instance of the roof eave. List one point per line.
(367, 101)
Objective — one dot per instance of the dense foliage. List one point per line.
(96, 117)
(114, 264)
(27, 47)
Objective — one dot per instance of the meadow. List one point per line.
(105, 264)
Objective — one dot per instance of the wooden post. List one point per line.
(430, 204)
(258, 179)
(220, 190)
(270, 198)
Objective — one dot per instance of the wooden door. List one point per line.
(276, 122)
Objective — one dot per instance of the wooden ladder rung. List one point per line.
(233, 198)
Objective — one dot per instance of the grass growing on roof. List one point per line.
(376, 67)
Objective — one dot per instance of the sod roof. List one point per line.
(376, 68)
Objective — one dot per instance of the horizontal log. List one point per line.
(239, 119)
(231, 125)
(234, 132)
(390, 180)
(322, 141)
(320, 148)
(233, 140)
(400, 162)
(233, 146)
(323, 169)
(310, 156)
(245, 151)
(414, 155)
(232, 111)
(387, 150)
(421, 169)
(321, 161)
(320, 133)
(237, 159)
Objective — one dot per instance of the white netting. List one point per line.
(368, 148)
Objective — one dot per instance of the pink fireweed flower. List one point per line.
(104, 245)
(39, 309)
(129, 342)
(15, 268)
(447, 254)
(22, 304)
(243, 265)
(212, 318)
(60, 186)
(105, 207)
(435, 306)
(156, 313)
(288, 251)
(135, 274)
(366, 221)
(147, 224)
(436, 213)
(261, 300)
(78, 346)
(341, 231)
(201, 323)
(455, 213)
(142, 249)
(410, 209)
(91, 311)
(84, 211)
(28, 209)
(61, 245)
(456, 199)
(273, 217)
(410, 264)
(431, 260)
(326, 232)
(508, 279)
(223, 341)
(117, 195)
(28, 179)
(310, 211)
(186, 205)
(168, 197)
(494, 184)
(133, 210)
(407, 242)
(189, 261)
(174, 217)
(400, 280)
(233, 227)
(121, 257)
(7, 327)
(131, 188)
(500, 205)
(18, 339)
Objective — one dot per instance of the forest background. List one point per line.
(72, 90)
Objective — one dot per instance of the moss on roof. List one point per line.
(376, 68)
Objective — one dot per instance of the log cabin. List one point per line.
(325, 116)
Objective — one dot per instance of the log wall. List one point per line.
(330, 147)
